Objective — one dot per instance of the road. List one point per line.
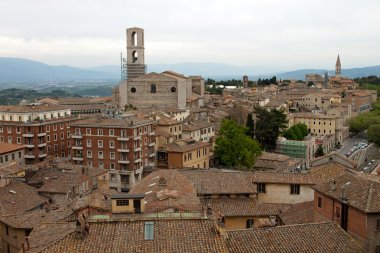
(350, 143)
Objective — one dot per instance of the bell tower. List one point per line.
(338, 68)
(135, 52)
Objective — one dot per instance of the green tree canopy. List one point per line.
(296, 132)
(269, 125)
(250, 126)
(373, 134)
(234, 147)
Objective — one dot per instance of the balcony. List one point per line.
(42, 144)
(28, 135)
(152, 133)
(77, 147)
(41, 134)
(123, 150)
(151, 144)
(152, 154)
(137, 138)
(78, 158)
(29, 145)
(29, 156)
(137, 149)
(41, 155)
(123, 161)
(137, 160)
(123, 138)
(77, 136)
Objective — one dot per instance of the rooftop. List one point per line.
(301, 213)
(9, 147)
(32, 108)
(315, 237)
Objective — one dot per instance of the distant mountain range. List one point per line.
(23, 70)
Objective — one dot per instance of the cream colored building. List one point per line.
(319, 101)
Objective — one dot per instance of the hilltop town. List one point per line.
(175, 163)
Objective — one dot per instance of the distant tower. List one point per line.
(245, 81)
(135, 52)
(338, 68)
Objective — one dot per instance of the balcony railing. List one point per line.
(123, 138)
(28, 135)
(77, 136)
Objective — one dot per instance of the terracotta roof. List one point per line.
(220, 182)
(47, 234)
(165, 121)
(113, 122)
(170, 236)
(18, 197)
(99, 198)
(327, 171)
(302, 213)
(29, 220)
(8, 147)
(178, 193)
(362, 193)
(315, 237)
(283, 178)
(174, 74)
(192, 126)
(185, 145)
(231, 207)
(32, 108)
(12, 169)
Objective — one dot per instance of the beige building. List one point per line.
(289, 188)
(11, 154)
(199, 130)
(321, 125)
(184, 153)
(319, 101)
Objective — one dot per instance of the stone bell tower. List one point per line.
(135, 52)
(338, 68)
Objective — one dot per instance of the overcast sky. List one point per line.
(277, 34)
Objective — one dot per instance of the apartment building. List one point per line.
(43, 129)
(360, 100)
(122, 145)
(11, 154)
(319, 101)
(198, 130)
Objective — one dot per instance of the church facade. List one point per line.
(155, 90)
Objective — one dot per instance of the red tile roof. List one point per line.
(8, 147)
(302, 213)
(315, 237)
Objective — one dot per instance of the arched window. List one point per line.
(134, 39)
(153, 88)
(135, 56)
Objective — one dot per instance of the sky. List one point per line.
(272, 34)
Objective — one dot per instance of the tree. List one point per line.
(296, 132)
(269, 125)
(319, 152)
(373, 134)
(250, 126)
(234, 147)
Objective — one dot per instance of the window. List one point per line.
(7, 231)
(55, 127)
(337, 212)
(101, 166)
(112, 155)
(261, 187)
(122, 202)
(249, 223)
(60, 125)
(100, 131)
(319, 202)
(112, 166)
(9, 129)
(89, 143)
(111, 132)
(100, 143)
(47, 128)
(55, 137)
(100, 154)
(62, 136)
(149, 230)
(68, 144)
(294, 189)
(153, 88)
(68, 134)
(18, 130)
(112, 144)
(88, 131)
(18, 140)
(89, 153)
(9, 139)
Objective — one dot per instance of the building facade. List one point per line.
(123, 146)
(43, 129)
